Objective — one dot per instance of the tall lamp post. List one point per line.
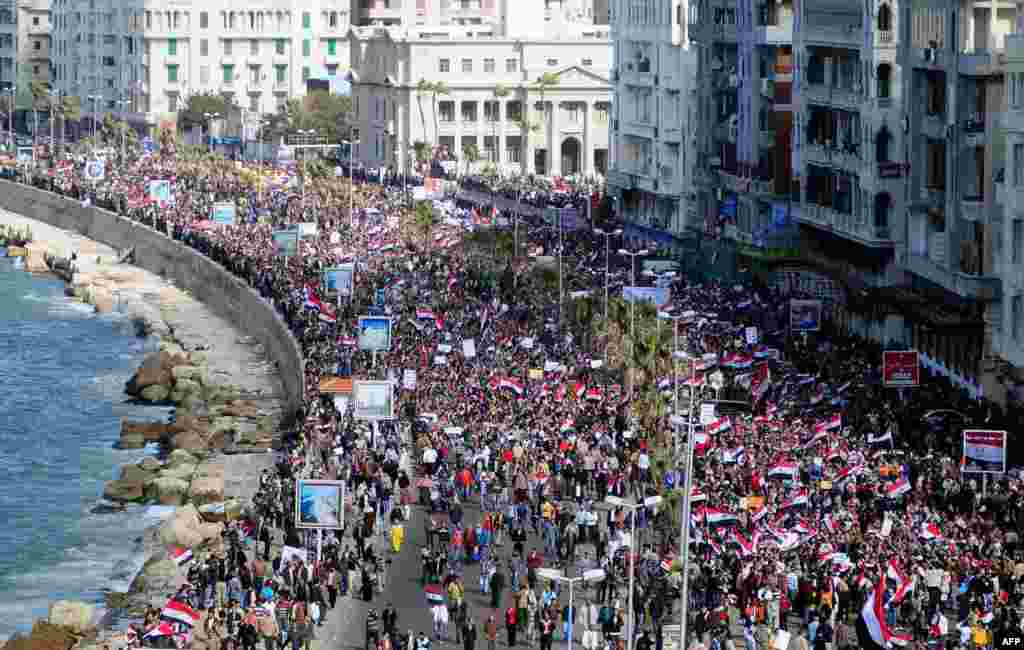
(554, 575)
(684, 524)
(607, 272)
(632, 302)
(10, 117)
(124, 104)
(352, 144)
(54, 95)
(619, 502)
(95, 115)
(305, 137)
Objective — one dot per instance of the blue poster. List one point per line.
(148, 146)
(657, 296)
(160, 192)
(223, 213)
(286, 242)
(338, 279)
(780, 214)
(374, 333)
(381, 297)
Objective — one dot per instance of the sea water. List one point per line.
(62, 375)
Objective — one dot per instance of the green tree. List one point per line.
(422, 151)
(528, 128)
(322, 112)
(542, 85)
(197, 105)
(423, 87)
(501, 91)
(471, 153)
(437, 88)
(424, 216)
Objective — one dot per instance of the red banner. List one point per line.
(901, 369)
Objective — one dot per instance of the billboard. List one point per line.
(901, 369)
(223, 213)
(160, 192)
(320, 504)
(286, 242)
(339, 279)
(374, 400)
(657, 296)
(984, 452)
(374, 333)
(804, 315)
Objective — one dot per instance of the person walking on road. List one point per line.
(497, 586)
(510, 625)
(469, 635)
(491, 633)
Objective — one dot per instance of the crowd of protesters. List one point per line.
(826, 488)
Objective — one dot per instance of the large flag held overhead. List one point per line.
(179, 612)
(872, 631)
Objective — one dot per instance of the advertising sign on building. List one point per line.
(901, 369)
(804, 315)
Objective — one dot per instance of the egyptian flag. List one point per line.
(594, 394)
(878, 439)
(733, 456)
(898, 488)
(746, 546)
(311, 299)
(434, 593)
(578, 389)
(872, 631)
(721, 425)
(424, 314)
(180, 555)
(930, 531)
(568, 425)
(797, 500)
(761, 381)
(847, 473)
(784, 470)
(508, 382)
(328, 315)
(560, 393)
(717, 517)
(179, 612)
(695, 382)
(833, 423)
(904, 584)
(701, 442)
(163, 629)
(697, 495)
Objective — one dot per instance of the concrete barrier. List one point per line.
(225, 294)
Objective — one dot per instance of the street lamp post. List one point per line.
(352, 144)
(53, 145)
(684, 527)
(95, 113)
(123, 104)
(607, 274)
(619, 502)
(632, 302)
(305, 137)
(10, 116)
(593, 575)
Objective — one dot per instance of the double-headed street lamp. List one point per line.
(593, 575)
(619, 502)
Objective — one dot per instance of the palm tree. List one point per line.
(544, 83)
(501, 91)
(423, 87)
(437, 88)
(528, 128)
(425, 220)
(471, 153)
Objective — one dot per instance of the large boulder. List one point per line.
(187, 386)
(155, 393)
(191, 373)
(208, 489)
(210, 531)
(182, 471)
(131, 441)
(123, 490)
(242, 409)
(180, 457)
(103, 300)
(74, 615)
(190, 441)
(158, 576)
(170, 491)
(154, 371)
(182, 529)
(185, 422)
(152, 431)
(138, 473)
(214, 469)
(198, 358)
(230, 510)
(150, 464)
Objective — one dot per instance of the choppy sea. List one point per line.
(62, 374)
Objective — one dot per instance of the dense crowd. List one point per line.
(819, 490)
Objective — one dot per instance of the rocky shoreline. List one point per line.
(227, 408)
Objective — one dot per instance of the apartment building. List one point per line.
(654, 121)
(8, 43)
(150, 57)
(858, 152)
(33, 39)
(463, 13)
(492, 100)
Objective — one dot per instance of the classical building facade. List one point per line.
(491, 101)
(150, 57)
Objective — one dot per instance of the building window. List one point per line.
(1017, 255)
(172, 47)
(467, 65)
(332, 70)
(254, 103)
(204, 47)
(305, 74)
(229, 73)
(884, 18)
(204, 75)
(1018, 164)
(172, 74)
(882, 145)
(35, 69)
(511, 65)
(35, 20)
(587, 63)
(468, 111)
(306, 20)
(36, 45)
(227, 47)
(446, 111)
(204, 20)
(305, 47)
(108, 61)
(280, 73)
(444, 65)
(254, 47)
(1018, 318)
(332, 47)
(882, 204)
(884, 81)
(279, 47)
(488, 65)
(552, 63)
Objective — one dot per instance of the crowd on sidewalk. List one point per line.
(829, 505)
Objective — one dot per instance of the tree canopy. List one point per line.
(320, 111)
(197, 105)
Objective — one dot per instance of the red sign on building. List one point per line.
(901, 369)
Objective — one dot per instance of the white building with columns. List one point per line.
(492, 100)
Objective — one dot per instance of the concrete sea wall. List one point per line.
(208, 282)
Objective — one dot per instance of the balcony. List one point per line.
(633, 76)
(884, 37)
(972, 208)
(673, 134)
(280, 84)
(725, 32)
(844, 225)
(933, 125)
(933, 197)
(980, 62)
(841, 97)
(965, 285)
(779, 34)
(975, 124)
(832, 156)
(828, 36)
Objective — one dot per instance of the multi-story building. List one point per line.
(653, 123)
(33, 21)
(858, 152)
(491, 98)
(154, 56)
(8, 43)
(462, 13)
